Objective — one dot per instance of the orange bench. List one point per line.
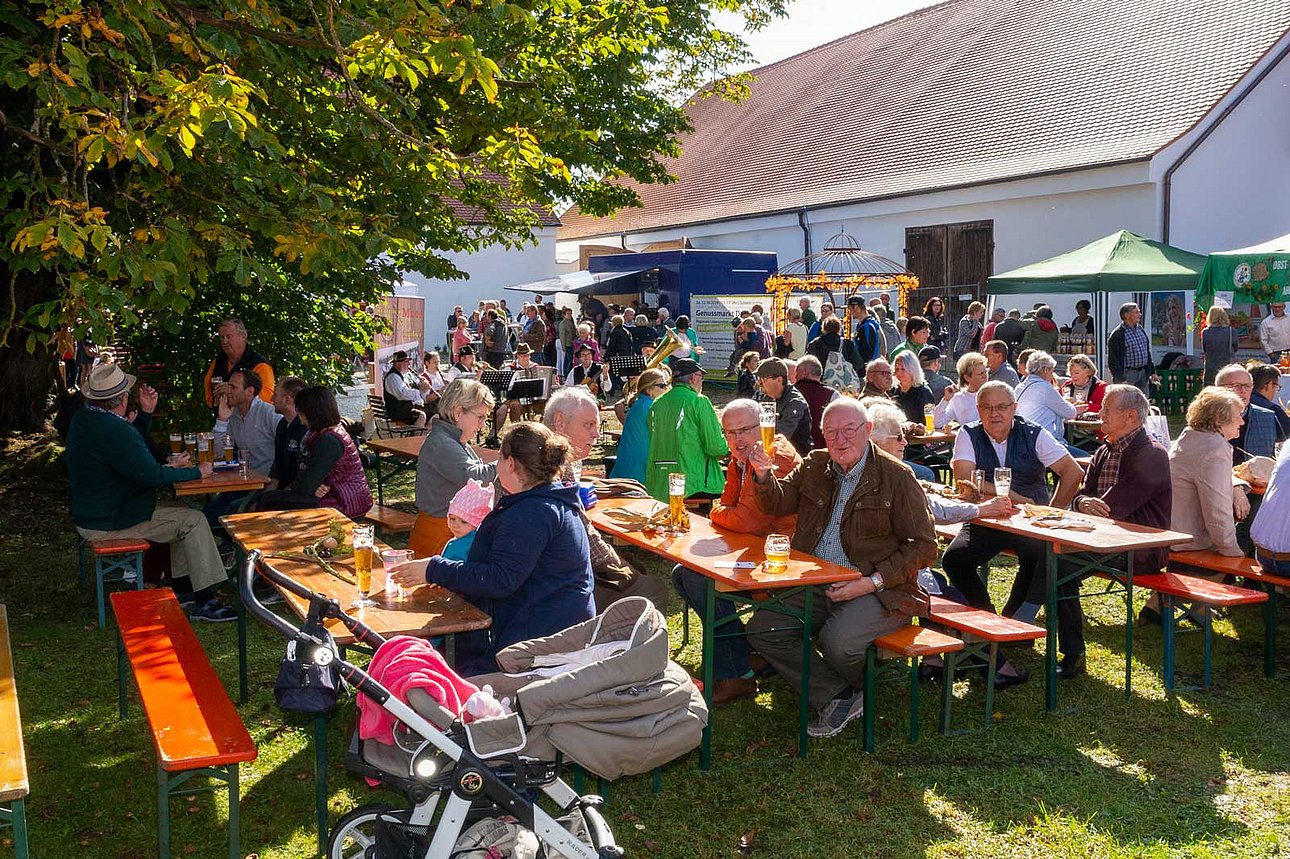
(13, 757)
(1250, 570)
(909, 642)
(116, 560)
(195, 728)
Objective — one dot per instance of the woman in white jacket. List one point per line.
(1039, 401)
(960, 405)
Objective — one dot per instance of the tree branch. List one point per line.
(24, 133)
(193, 16)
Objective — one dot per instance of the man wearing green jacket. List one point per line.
(685, 436)
(114, 481)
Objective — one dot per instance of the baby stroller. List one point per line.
(459, 779)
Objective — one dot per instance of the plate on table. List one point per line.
(221, 465)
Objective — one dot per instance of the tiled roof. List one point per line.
(964, 92)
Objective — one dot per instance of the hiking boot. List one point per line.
(213, 611)
(836, 715)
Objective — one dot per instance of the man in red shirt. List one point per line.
(738, 510)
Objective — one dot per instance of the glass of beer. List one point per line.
(768, 428)
(362, 538)
(777, 549)
(190, 441)
(228, 448)
(176, 442)
(1002, 481)
(204, 448)
(677, 521)
(929, 417)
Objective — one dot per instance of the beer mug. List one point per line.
(777, 549)
(363, 544)
(677, 520)
(768, 428)
(176, 442)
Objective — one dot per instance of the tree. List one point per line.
(165, 163)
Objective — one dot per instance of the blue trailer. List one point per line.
(669, 278)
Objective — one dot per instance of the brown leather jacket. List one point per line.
(886, 527)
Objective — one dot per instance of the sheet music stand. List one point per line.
(527, 390)
(626, 366)
(497, 381)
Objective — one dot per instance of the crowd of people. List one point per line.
(851, 475)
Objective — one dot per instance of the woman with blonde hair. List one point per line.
(447, 461)
(1083, 386)
(970, 328)
(958, 403)
(1218, 342)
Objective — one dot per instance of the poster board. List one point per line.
(404, 316)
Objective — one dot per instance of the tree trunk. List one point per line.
(28, 380)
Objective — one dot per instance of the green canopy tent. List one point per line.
(1120, 262)
(1250, 275)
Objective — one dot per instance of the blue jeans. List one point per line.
(1276, 568)
(921, 471)
(729, 655)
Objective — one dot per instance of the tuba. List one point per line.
(662, 352)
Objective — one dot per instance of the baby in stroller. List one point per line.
(602, 693)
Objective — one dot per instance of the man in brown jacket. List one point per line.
(858, 507)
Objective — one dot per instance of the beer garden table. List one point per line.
(712, 552)
(221, 480)
(1088, 550)
(426, 611)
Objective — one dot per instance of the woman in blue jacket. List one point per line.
(530, 566)
(633, 449)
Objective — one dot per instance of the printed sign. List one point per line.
(710, 315)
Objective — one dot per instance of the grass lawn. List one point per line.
(1201, 774)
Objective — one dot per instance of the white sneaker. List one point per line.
(836, 715)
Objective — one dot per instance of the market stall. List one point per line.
(1245, 281)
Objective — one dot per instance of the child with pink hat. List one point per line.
(467, 509)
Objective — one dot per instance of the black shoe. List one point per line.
(1071, 667)
(1149, 617)
(1003, 681)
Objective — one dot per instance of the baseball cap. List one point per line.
(686, 366)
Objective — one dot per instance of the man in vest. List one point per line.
(1002, 439)
(236, 355)
(403, 402)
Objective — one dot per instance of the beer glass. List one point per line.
(978, 477)
(929, 417)
(676, 519)
(228, 448)
(190, 441)
(777, 549)
(1002, 481)
(362, 538)
(176, 442)
(768, 428)
(204, 448)
(391, 558)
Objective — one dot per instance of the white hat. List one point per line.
(106, 381)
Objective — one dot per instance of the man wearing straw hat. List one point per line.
(114, 481)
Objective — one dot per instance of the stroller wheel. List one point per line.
(354, 836)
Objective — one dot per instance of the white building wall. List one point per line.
(491, 270)
(1234, 189)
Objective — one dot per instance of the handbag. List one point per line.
(838, 373)
(1158, 427)
(308, 678)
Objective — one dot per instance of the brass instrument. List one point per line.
(662, 352)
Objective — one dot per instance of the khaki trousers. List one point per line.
(193, 552)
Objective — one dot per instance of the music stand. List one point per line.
(497, 381)
(626, 366)
(527, 390)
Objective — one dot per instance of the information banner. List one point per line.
(405, 316)
(710, 315)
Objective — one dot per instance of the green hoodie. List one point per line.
(685, 436)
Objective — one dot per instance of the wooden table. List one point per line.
(403, 453)
(222, 480)
(711, 552)
(931, 439)
(1088, 550)
(428, 610)
(14, 785)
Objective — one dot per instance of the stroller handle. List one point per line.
(321, 606)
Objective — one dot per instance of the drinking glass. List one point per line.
(929, 417)
(1002, 481)
(978, 477)
(176, 442)
(676, 518)
(768, 428)
(190, 441)
(392, 558)
(203, 447)
(777, 549)
(228, 448)
(363, 542)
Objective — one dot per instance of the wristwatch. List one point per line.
(877, 581)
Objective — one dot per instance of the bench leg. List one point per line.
(234, 815)
(808, 647)
(1270, 634)
(947, 690)
(870, 666)
(993, 659)
(120, 675)
(1209, 644)
(98, 588)
(320, 781)
(163, 813)
(1128, 627)
(707, 657)
(913, 699)
(1167, 627)
(241, 652)
(17, 814)
(656, 781)
(80, 563)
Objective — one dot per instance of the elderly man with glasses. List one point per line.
(738, 510)
(861, 508)
(877, 379)
(1260, 431)
(1003, 439)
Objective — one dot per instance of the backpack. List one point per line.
(838, 372)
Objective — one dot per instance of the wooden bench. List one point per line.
(1250, 570)
(385, 426)
(911, 643)
(1176, 586)
(389, 520)
(116, 560)
(195, 729)
(982, 632)
(13, 757)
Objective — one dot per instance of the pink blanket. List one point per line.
(401, 664)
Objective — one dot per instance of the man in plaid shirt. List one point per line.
(1128, 350)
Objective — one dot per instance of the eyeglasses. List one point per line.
(999, 408)
(1239, 386)
(880, 372)
(898, 437)
(735, 432)
(841, 433)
